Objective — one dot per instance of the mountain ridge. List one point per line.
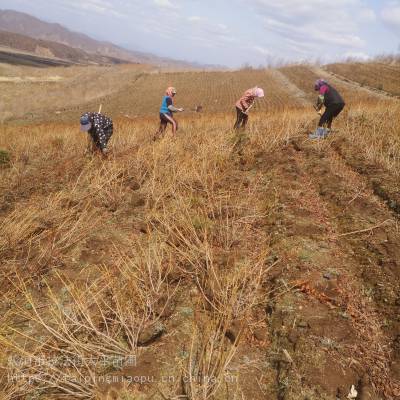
(50, 49)
(28, 25)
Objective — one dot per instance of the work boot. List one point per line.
(320, 133)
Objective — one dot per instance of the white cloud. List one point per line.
(212, 34)
(314, 26)
(354, 55)
(390, 15)
(194, 18)
(314, 33)
(366, 15)
(262, 50)
(165, 4)
(97, 6)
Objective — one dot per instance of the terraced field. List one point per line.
(354, 95)
(215, 91)
(378, 75)
(136, 91)
(138, 94)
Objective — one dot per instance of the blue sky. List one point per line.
(232, 32)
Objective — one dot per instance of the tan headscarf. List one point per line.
(170, 91)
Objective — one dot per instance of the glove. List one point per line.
(181, 109)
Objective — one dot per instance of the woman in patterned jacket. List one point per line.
(100, 129)
(244, 104)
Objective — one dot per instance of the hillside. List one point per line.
(383, 76)
(57, 89)
(216, 92)
(25, 24)
(287, 88)
(212, 265)
(45, 48)
(19, 58)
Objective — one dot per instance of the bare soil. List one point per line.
(332, 297)
(346, 311)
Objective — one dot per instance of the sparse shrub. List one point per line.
(57, 143)
(4, 158)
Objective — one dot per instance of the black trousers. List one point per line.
(330, 113)
(241, 119)
(166, 119)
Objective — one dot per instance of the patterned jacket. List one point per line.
(102, 128)
(247, 99)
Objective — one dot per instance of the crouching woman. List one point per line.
(99, 128)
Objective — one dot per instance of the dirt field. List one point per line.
(213, 265)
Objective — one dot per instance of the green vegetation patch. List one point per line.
(5, 158)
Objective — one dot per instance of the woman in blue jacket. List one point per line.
(166, 113)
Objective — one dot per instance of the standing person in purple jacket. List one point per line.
(334, 104)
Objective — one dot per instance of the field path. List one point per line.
(291, 88)
(322, 72)
(30, 79)
(338, 246)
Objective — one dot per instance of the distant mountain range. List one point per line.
(29, 26)
(48, 49)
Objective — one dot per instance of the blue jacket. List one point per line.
(166, 101)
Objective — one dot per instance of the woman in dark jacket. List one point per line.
(334, 104)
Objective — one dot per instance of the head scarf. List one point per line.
(319, 83)
(255, 92)
(86, 125)
(170, 91)
(259, 92)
